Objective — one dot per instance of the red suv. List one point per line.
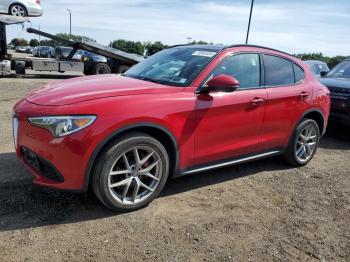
(186, 109)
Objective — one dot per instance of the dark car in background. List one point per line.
(338, 83)
(319, 68)
(44, 51)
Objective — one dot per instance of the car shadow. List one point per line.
(337, 137)
(25, 205)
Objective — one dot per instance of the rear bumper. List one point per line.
(35, 11)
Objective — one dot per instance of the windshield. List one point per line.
(176, 66)
(342, 70)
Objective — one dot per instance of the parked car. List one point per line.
(35, 51)
(319, 68)
(338, 82)
(62, 53)
(44, 51)
(29, 49)
(21, 49)
(184, 110)
(21, 8)
(92, 57)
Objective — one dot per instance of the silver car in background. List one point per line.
(21, 8)
(319, 68)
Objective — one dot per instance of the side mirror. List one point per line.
(225, 83)
(323, 73)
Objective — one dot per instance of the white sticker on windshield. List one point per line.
(204, 53)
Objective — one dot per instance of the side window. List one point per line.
(299, 73)
(278, 71)
(244, 67)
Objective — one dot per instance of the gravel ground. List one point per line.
(261, 211)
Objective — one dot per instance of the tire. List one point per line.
(18, 10)
(101, 69)
(122, 69)
(303, 145)
(117, 190)
(20, 68)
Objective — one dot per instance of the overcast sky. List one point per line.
(294, 26)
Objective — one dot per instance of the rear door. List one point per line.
(228, 124)
(288, 97)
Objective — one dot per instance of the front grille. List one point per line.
(339, 90)
(42, 166)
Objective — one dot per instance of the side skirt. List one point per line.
(226, 163)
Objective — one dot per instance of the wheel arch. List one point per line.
(17, 3)
(157, 131)
(314, 114)
(317, 115)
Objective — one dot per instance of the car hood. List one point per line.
(336, 82)
(81, 89)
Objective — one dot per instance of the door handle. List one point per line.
(304, 94)
(257, 101)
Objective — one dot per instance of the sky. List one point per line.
(294, 26)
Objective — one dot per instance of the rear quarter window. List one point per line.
(278, 71)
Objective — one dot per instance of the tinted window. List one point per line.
(299, 73)
(244, 67)
(278, 71)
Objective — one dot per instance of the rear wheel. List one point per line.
(101, 69)
(131, 172)
(18, 10)
(304, 143)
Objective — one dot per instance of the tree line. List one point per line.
(150, 48)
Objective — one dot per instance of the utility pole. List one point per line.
(70, 23)
(250, 18)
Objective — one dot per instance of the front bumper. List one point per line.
(58, 163)
(340, 110)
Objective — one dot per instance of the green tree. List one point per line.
(155, 47)
(331, 61)
(74, 37)
(34, 42)
(128, 46)
(19, 42)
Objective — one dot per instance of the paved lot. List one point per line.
(260, 211)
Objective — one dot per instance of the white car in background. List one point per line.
(21, 8)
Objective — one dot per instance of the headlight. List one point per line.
(61, 126)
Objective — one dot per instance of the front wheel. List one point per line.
(304, 143)
(131, 172)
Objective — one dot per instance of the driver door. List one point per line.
(229, 124)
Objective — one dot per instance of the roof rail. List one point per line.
(258, 46)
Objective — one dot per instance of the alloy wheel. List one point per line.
(135, 175)
(18, 10)
(306, 143)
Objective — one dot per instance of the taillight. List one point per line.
(38, 2)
